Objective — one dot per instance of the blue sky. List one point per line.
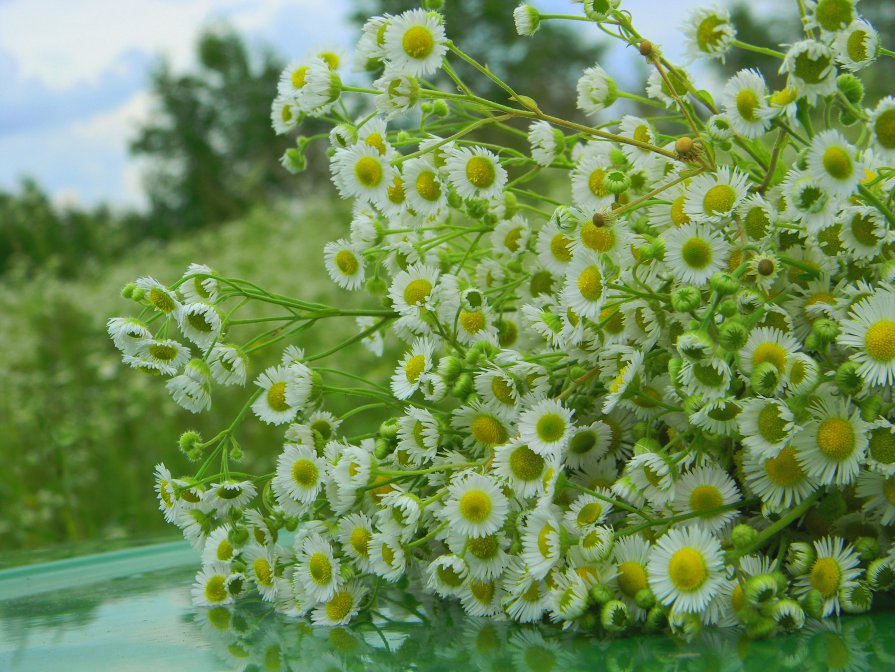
(73, 74)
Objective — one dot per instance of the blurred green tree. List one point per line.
(211, 151)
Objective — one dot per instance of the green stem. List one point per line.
(758, 50)
(768, 533)
(615, 502)
(872, 198)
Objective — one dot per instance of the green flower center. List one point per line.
(511, 240)
(550, 427)
(833, 15)
(359, 538)
(678, 216)
(770, 425)
(784, 470)
(526, 464)
(427, 186)
(812, 70)
(560, 248)
(162, 353)
(263, 572)
(418, 42)
(449, 577)
(882, 445)
(545, 542)
(480, 172)
(224, 551)
(305, 473)
(583, 442)
(198, 322)
(414, 368)
(320, 569)
(161, 300)
(757, 223)
(696, 253)
(339, 606)
(856, 47)
(541, 283)
(475, 506)
(708, 35)
(589, 514)
(747, 103)
(215, 590)
(276, 397)
(826, 576)
(484, 548)
(503, 391)
(642, 134)
(631, 578)
(472, 321)
(884, 128)
(838, 163)
(704, 499)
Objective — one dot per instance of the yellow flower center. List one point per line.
(884, 128)
(770, 425)
(836, 438)
(418, 42)
(484, 548)
(598, 238)
(738, 597)
(719, 199)
(449, 577)
(704, 498)
(480, 172)
(687, 569)
(545, 542)
(526, 464)
(502, 391)
(359, 538)
(595, 182)
(512, 239)
(880, 341)
(756, 223)
(560, 248)
(488, 431)
(472, 321)
(696, 253)
(215, 590)
(770, 352)
(339, 606)
(395, 192)
(550, 427)
(708, 34)
(590, 283)
(642, 134)
(826, 575)
(785, 96)
(368, 172)
(224, 551)
(417, 291)
(678, 216)
(298, 77)
(346, 262)
(263, 572)
(305, 473)
(388, 555)
(286, 113)
(161, 300)
(589, 514)
(631, 578)
(414, 368)
(837, 163)
(376, 140)
(320, 569)
(276, 397)
(427, 186)
(882, 445)
(475, 506)
(784, 470)
(747, 103)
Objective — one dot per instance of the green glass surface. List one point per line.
(131, 610)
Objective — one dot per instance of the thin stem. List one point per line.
(770, 532)
(758, 50)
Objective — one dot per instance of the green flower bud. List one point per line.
(761, 628)
(824, 331)
(450, 367)
(760, 589)
(800, 557)
(832, 507)
(376, 286)
(857, 600)
(732, 335)
(684, 624)
(788, 615)
(614, 616)
(236, 453)
(644, 598)
(616, 182)
(765, 378)
(868, 547)
(848, 379)
(728, 308)
(743, 536)
(294, 160)
(724, 283)
(462, 386)
(128, 291)
(454, 200)
(640, 430)
(847, 118)
(601, 593)
(388, 430)
(851, 87)
(656, 618)
(238, 536)
(686, 299)
(382, 448)
(880, 574)
(477, 208)
(646, 445)
(693, 403)
(440, 108)
(871, 407)
(426, 108)
(190, 445)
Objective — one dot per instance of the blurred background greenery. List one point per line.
(79, 432)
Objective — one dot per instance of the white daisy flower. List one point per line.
(835, 571)
(411, 290)
(526, 598)
(191, 390)
(686, 569)
(423, 187)
(299, 477)
(869, 332)
(211, 587)
(166, 356)
(758, 216)
(399, 95)
(767, 425)
(227, 495)
(414, 43)
(158, 296)
(857, 46)
(879, 492)
(587, 511)
(546, 427)
(261, 567)
(633, 361)
(693, 253)
(482, 424)
(709, 32)
(713, 198)
(588, 444)
(809, 68)
(341, 607)
(228, 364)
(317, 568)
(589, 190)
(541, 545)
(780, 482)
(527, 20)
(344, 264)
(510, 236)
(711, 379)
(744, 103)
(499, 388)
(630, 556)
(127, 333)
(476, 173)
(568, 597)
(168, 502)
(881, 447)
(554, 248)
(768, 344)
(862, 231)
(596, 90)
(584, 289)
(718, 416)
(882, 129)
(652, 475)
(199, 284)
(485, 556)
(546, 142)
(218, 547)
(284, 114)
(808, 203)
(701, 491)
(831, 16)
(361, 172)
(278, 384)
(521, 468)
(834, 164)
(481, 598)
(446, 575)
(475, 507)
(418, 360)
(387, 556)
(833, 445)
(201, 323)
(354, 534)
(642, 131)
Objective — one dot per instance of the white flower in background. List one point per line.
(744, 103)
(414, 43)
(834, 572)
(869, 332)
(192, 388)
(344, 264)
(709, 32)
(228, 364)
(596, 90)
(546, 142)
(809, 68)
(476, 172)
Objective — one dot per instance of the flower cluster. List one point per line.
(660, 399)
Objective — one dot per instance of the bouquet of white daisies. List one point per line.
(651, 392)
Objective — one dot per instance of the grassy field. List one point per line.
(80, 432)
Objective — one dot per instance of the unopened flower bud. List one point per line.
(848, 379)
(686, 299)
(614, 616)
(743, 536)
(724, 283)
(732, 335)
(765, 378)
